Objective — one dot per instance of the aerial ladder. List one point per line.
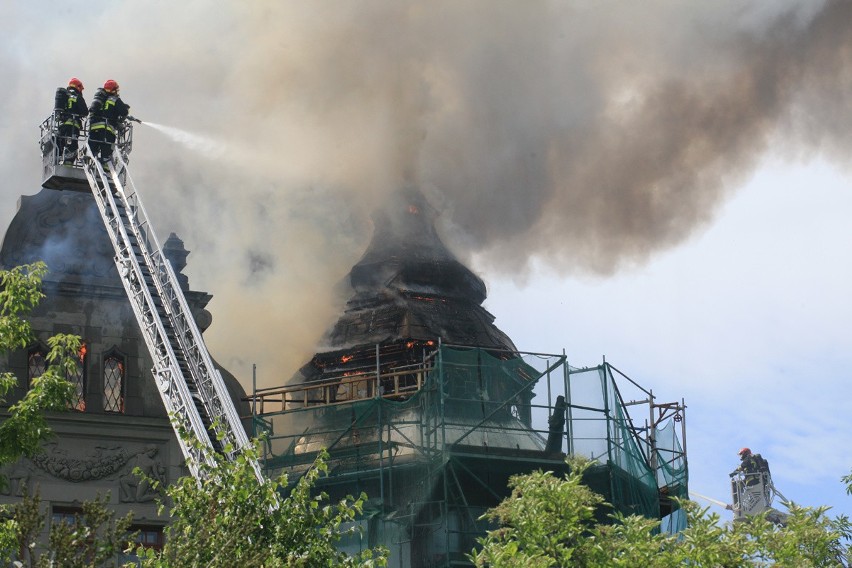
(189, 384)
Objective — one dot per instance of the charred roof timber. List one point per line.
(409, 291)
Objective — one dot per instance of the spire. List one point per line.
(406, 254)
(409, 286)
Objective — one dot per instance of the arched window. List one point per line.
(114, 382)
(77, 377)
(36, 363)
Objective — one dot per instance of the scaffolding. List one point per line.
(433, 444)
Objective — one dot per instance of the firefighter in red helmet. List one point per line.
(752, 465)
(70, 108)
(106, 117)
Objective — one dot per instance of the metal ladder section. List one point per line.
(191, 387)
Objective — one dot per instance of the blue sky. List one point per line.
(664, 184)
(748, 321)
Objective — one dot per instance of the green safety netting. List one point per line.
(671, 460)
(433, 461)
(672, 472)
(600, 430)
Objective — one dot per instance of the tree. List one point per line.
(90, 539)
(25, 427)
(548, 521)
(23, 431)
(231, 519)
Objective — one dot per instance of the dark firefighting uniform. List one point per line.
(106, 115)
(753, 465)
(71, 110)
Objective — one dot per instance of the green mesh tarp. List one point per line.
(433, 461)
(600, 430)
(671, 460)
(672, 473)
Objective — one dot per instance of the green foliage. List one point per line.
(810, 539)
(706, 541)
(550, 522)
(231, 519)
(26, 428)
(543, 523)
(92, 540)
(21, 529)
(20, 292)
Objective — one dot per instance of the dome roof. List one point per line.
(408, 290)
(64, 229)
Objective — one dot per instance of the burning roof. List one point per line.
(409, 291)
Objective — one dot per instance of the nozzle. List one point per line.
(133, 119)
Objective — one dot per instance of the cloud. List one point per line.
(588, 136)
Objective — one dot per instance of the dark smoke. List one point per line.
(583, 136)
(589, 152)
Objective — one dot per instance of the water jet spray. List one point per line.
(196, 142)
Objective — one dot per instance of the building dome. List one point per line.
(64, 229)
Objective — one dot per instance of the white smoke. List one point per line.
(584, 136)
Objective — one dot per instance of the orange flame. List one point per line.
(347, 358)
(83, 351)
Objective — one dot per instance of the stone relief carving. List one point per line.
(102, 462)
(136, 489)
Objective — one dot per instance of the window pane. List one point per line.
(113, 384)
(36, 365)
(77, 377)
(148, 536)
(65, 514)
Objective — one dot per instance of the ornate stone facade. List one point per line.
(119, 422)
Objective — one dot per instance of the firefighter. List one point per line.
(106, 117)
(752, 465)
(70, 108)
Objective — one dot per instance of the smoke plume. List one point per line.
(581, 136)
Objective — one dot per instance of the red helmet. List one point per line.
(111, 86)
(744, 452)
(76, 83)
